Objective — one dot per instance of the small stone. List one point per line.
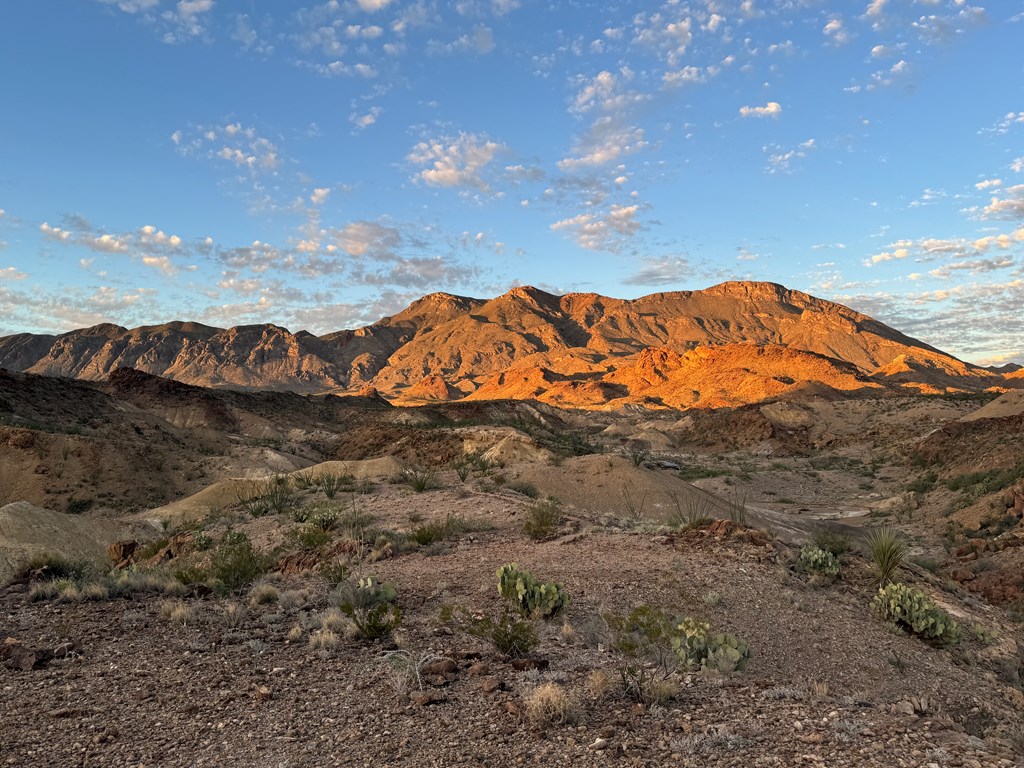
(480, 669)
(797, 725)
(599, 744)
(490, 685)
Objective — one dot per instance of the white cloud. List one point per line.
(186, 20)
(320, 195)
(835, 31)
(1011, 206)
(365, 120)
(239, 145)
(605, 141)
(602, 232)
(670, 270)
(882, 52)
(458, 161)
(987, 183)
(780, 161)
(54, 233)
(10, 273)
(479, 41)
(771, 109)
(132, 6)
(372, 6)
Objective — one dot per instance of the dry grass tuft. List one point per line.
(549, 705)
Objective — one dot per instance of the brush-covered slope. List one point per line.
(755, 340)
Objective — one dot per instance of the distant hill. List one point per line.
(733, 343)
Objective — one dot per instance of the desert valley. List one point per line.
(732, 526)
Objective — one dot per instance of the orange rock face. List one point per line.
(731, 344)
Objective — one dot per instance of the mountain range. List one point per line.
(730, 344)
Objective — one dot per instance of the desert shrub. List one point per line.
(638, 453)
(451, 527)
(371, 605)
(832, 542)
(419, 479)
(508, 633)
(334, 572)
(50, 566)
(924, 483)
(144, 580)
(78, 506)
(529, 596)
(888, 549)
(912, 610)
(549, 705)
(95, 590)
(462, 468)
(234, 563)
(817, 561)
(326, 519)
(525, 488)
(308, 538)
(737, 509)
(694, 511)
(46, 590)
(634, 503)
(543, 519)
(303, 480)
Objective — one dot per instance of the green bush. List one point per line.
(697, 647)
(832, 542)
(508, 633)
(915, 612)
(371, 605)
(888, 549)
(235, 564)
(815, 560)
(530, 597)
(543, 519)
(308, 538)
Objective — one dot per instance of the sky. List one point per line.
(322, 165)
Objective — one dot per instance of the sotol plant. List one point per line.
(888, 549)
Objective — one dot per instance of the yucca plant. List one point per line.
(888, 549)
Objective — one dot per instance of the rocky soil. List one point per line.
(227, 681)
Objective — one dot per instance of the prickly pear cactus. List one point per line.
(533, 598)
(815, 560)
(914, 611)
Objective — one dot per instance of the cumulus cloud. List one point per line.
(931, 248)
(319, 195)
(606, 91)
(606, 231)
(365, 120)
(835, 31)
(668, 36)
(234, 143)
(459, 161)
(780, 161)
(370, 239)
(371, 6)
(10, 273)
(1010, 206)
(988, 183)
(771, 109)
(186, 20)
(605, 141)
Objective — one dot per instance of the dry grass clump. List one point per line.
(177, 612)
(549, 705)
(293, 599)
(324, 641)
(234, 615)
(600, 684)
(263, 594)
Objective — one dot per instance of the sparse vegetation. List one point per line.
(524, 488)
(693, 511)
(833, 542)
(420, 479)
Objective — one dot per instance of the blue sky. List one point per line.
(321, 165)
